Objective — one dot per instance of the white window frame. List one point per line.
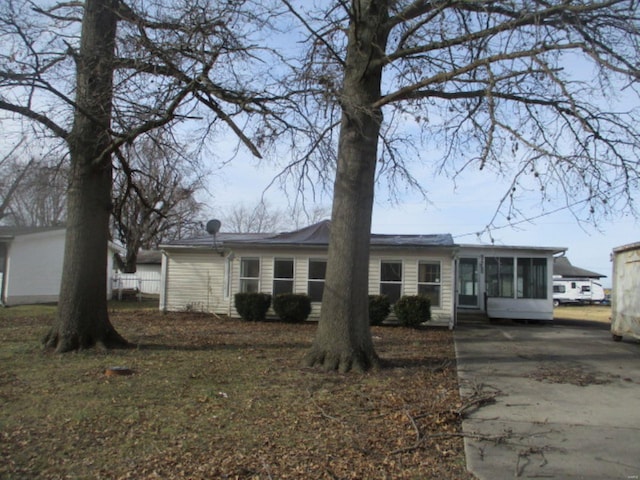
(392, 282)
(243, 279)
(437, 283)
(318, 280)
(284, 279)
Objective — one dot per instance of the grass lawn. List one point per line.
(592, 313)
(218, 398)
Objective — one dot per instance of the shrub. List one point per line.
(292, 307)
(379, 308)
(412, 310)
(252, 306)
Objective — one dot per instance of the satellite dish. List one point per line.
(213, 226)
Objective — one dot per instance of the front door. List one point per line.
(468, 282)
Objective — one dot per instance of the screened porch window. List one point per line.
(499, 276)
(430, 281)
(249, 275)
(282, 275)
(391, 280)
(315, 283)
(532, 278)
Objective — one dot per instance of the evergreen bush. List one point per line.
(412, 310)
(379, 309)
(292, 307)
(252, 306)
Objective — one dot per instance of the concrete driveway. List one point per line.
(558, 400)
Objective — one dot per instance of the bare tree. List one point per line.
(98, 74)
(520, 88)
(264, 218)
(154, 196)
(301, 215)
(261, 218)
(12, 174)
(39, 199)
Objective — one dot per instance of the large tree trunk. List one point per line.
(82, 320)
(343, 340)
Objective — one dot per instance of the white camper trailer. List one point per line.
(625, 305)
(577, 290)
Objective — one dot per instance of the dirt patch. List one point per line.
(569, 374)
(218, 398)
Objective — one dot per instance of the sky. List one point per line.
(461, 211)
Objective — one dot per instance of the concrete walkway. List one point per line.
(558, 401)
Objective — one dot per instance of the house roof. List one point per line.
(629, 246)
(220, 239)
(149, 257)
(562, 267)
(10, 232)
(313, 235)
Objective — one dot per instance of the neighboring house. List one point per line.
(31, 264)
(574, 284)
(146, 280)
(506, 282)
(562, 268)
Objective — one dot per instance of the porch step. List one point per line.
(472, 316)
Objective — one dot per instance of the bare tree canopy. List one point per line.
(12, 175)
(263, 218)
(527, 89)
(154, 196)
(39, 195)
(98, 74)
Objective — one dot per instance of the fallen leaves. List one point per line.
(221, 398)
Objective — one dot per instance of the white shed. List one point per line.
(31, 264)
(625, 301)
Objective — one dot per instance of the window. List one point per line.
(391, 280)
(499, 276)
(315, 284)
(282, 275)
(532, 278)
(249, 275)
(429, 281)
(559, 289)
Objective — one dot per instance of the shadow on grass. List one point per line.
(145, 346)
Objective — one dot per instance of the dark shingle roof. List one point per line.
(562, 267)
(313, 235)
(12, 232)
(149, 257)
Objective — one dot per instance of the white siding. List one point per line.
(267, 258)
(195, 281)
(146, 280)
(625, 320)
(188, 272)
(513, 308)
(410, 260)
(34, 268)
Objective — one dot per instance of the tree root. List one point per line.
(74, 341)
(359, 362)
